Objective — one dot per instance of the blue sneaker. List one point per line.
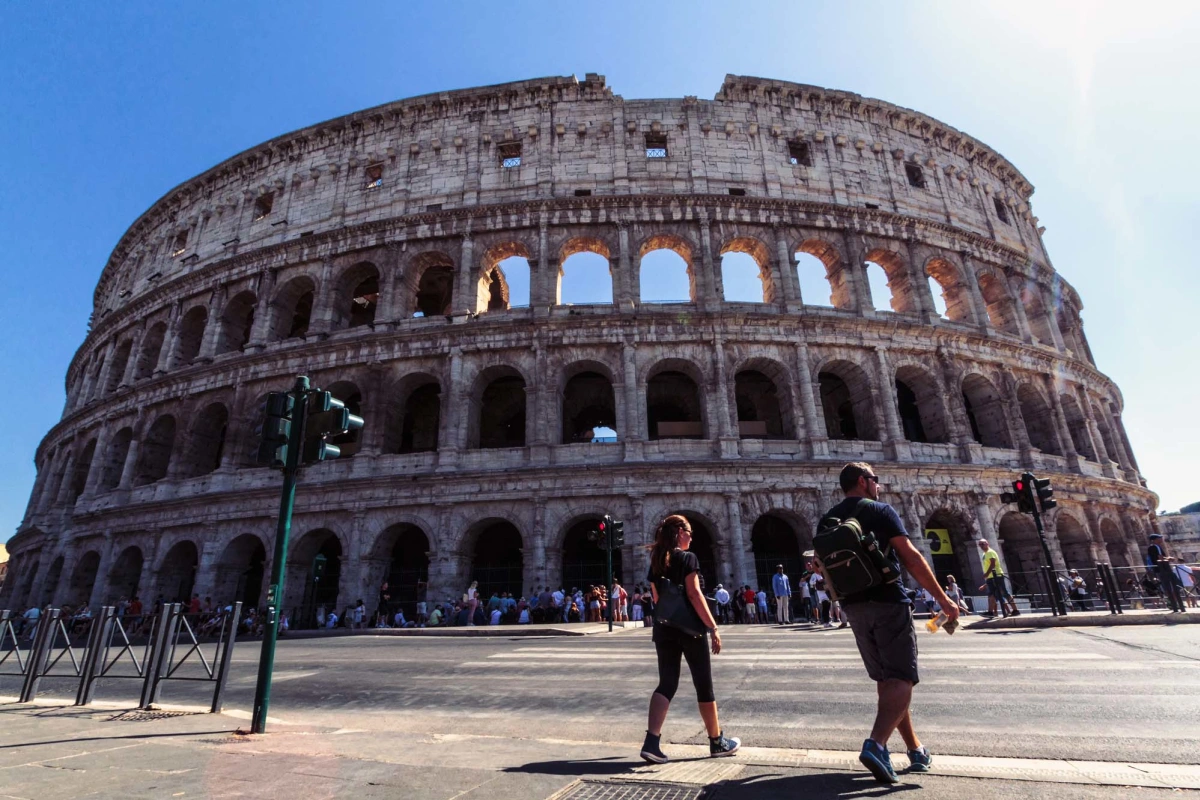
(920, 760)
(875, 757)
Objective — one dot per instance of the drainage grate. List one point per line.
(622, 790)
(148, 716)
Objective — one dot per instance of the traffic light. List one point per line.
(618, 533)
(275, 430)
(1020, 495)
(1045, 494)
(327, 417)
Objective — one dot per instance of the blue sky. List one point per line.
(108, 106)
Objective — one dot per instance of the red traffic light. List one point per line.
(601, 526)
(1019, 485)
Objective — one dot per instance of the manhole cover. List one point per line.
(622, 790)
(148, 716)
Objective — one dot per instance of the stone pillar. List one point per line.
(737, 541)
(62, 496)
(49, 489)
(637, 531)
(449, 441)
(539, 413)
(1016, 285)
(131, 457)
(1056, 557)
(987, 527)
(793, 297)
(894, 442)
(922, 294)
(385, 311)
(98, 387)
(1052, 322)
(1060, 423)
(535, 565)
(958, 423)
(321, 320)
(1016, 420)
(135, 345)
(260, 330)
(915, 527)
(166, 356)
(708, 296)
(464, 298)
(855, 276)
(809, 391)
(632, 295)
(726, 432)
(632, 433)
(100, 585)
(212, 329)
(978, 306)
(1098, 446)
(96, 469)
(375, 423)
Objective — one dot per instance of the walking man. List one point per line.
(1156, 554)
(881, 618)
(994, 582)
(783, 596)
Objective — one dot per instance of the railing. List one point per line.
(50, 652)
(1102, 587)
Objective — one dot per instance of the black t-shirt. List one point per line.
(884, 523)
(683, 563)
(1156, 553)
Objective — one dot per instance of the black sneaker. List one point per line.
(723, 746)
(651, 751)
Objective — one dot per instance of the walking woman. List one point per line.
(671, 561)
(472, 601)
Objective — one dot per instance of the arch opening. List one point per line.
(704, 546)
(953, 550)
(237, 320)
(760, 411)
(207, 444)
(50, 584)
(919, 401)
(83, 580)
(125, 577)
(83, 466)
(743, 278)
(999, 304)
(315, 571)
(116, 367)
(150, 351)
(240, 572)
(951, 298)
(191, 335)
(665, 270)
(406, 550)
(292, 309)
(154, 458)
(1022, 551)
(500, 412)
(177, 576)
(1077, 426)
(985, 412)
(847, 402)
(585, 278)
(1039, 419)
(815, 285)
(674, 408)
(588, 409)
(775, 540)
(435, 291)
(497, 560)
(836, 278)
(420, 420)
(584, 561)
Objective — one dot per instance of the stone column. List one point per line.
(98, 387)
(131, 455)
(1016, 420)
(321, 320)
(632, 433)
(100, 585)
(166, 356)
(375, 424)
(632, 294)
(1056, 557)
(915, 526)
(726, 433)
(1120, 455)
(260, 330)
(737, 540)
(385, 311)
(636, 531)
(212, 329)
(96, 469)
(63, 494)
(958, 423)
(535, 567)
(135, 344)
(538, 413)
(464, 297)
(1098, 445)
(708, 295)
(809, 391)
(894, 442)
(1060, 423)
(978, 307)
(1052, 322)
(855, 276)
(449, 441)
(987, 526)
(922, 294)
(48, 489)
(1016, 285)
(792, 294)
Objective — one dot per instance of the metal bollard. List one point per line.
(97, 647)
(229, 634)
(39, 653)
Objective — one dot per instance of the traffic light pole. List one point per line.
(612, 601)
(1060, 605)
(266, 661)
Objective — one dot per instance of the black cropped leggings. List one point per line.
(670, 648)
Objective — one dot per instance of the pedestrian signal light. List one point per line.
(1045, 494)
(618, 533)
(1021, 495)
(327, 417)
(275, 430)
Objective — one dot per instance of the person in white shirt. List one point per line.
(722, 598)
(495, 617)
(331, 619)
(761, 597)
(1187, 580)
(360, 611)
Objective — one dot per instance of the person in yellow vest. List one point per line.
(994, 582)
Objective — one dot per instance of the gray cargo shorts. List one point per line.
(886, 639)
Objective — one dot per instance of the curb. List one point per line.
(1085, 621)
(480, 630)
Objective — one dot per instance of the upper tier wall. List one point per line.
(444, 152)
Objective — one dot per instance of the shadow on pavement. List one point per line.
(76, 739)
(824, 784)
(596, 766)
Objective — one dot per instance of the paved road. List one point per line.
(1099, 694)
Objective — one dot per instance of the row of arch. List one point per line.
(497, 408)
(494, 551)
(318, 300)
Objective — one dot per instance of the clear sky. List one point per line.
(105, 107)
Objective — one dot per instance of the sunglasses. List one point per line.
(874, 478)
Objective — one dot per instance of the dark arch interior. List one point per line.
(758, 408)
(83, 579)
(910, 413)
(239, 575)
(318, 563)
(985, 412)
(775, 542)
(497, 563)
(126, 575)
(673, 407)
(409, 564)
(959, 557)
(585, 562)
(704, 546)
(840, 422)
(588, 403)
(364, 299)
(177, 576)
(502, 413)
(422, 420)
(435, 291)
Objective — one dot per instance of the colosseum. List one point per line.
(377, 254)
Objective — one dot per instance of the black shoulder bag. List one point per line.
(675, 610)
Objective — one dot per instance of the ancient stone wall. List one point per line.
(367, 252)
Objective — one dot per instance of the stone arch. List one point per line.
(1106, 432)
(1022, 550)
(584, 562)
(1001, 310)
(348, 392)
(1077, 426)
(840, 284)
(920, 406)
(429, 283)
(497, 411)
(1038, 418)
(81, 470)
(762, 396)
(413, 414)
(400, 555)
(83, 579)
(314, 577)
(958, 555)
(895, 268)
(1115, 544)
(149, 352)
(356, 297)
(492, 288)
(662, 262)
(125, 577)
(292, 307)
(92, 386)
(1075, 543)
(177, 572)
(117, 366)
(49, 584)
(1070, 327)
(240, 572)
(778, 537)
(1035, 312)
(496, 557)
(206, 441)
(582, 260)
(847, 401)
(154, 457)
(749, 258)
(956, 296)
(676, 407)
(587, 401)
(191, 335)
(237, 320)
(985, 412)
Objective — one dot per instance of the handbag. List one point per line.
(674, 610)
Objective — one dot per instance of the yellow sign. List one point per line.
(939, 541)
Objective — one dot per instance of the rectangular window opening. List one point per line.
(262, 206)
(873, 206)
(179, 247)
(798, 154)
(583, 192)
(434, 207)
(916, 178)
(509, 154)
(656, 145)
(374, 177)
(738, 192)
(1001, 210)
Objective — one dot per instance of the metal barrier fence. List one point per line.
(1105, 587)
(152, 649)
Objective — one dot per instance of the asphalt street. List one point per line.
(1097, 694)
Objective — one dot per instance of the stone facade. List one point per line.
(363, 252)
(1182, 533)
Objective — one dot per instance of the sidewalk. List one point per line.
(565, 629)
(50, 751)
(1080, 619)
